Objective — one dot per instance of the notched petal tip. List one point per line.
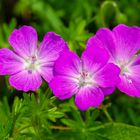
(57, 39)
(13, 34)
(25, 30)
(24, 40)
(27, 27)
(124, 27)
(101, 33)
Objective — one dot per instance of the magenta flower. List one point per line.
(86, 78)
(123, 44)
(27, 64)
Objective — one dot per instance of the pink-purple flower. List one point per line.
(109, 61)
(89, 78)
(26, 64)
(123, 44)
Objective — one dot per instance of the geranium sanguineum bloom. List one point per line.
(86, 78)
(27, 64)
(123, 43)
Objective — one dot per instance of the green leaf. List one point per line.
(120, 131)
(54, 19)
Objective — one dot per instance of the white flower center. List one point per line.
(32, 64)
(125, 71)
(85, 79)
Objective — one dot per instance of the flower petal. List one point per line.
(108, 91)
(68, 64)
(46, 72)
(108, 40)
(26, 81)
(94, 57)
(24, 40)
(130, 82)
(63, 87)
(129, 86)
(89, 97)
(122, 43)
(10, 63)
(108, 76)
(49, 51)
(128, 41)
(51, 47)
(135, 61)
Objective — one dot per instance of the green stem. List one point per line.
(106, 113)
(60, 127)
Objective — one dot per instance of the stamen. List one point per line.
(126, 71)
(32, 64)
(85, 79)
(33, 59)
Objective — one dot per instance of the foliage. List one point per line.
(40, 116)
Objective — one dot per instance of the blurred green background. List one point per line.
(75, 21)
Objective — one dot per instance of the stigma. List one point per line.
(32, 64)
(85, 79)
